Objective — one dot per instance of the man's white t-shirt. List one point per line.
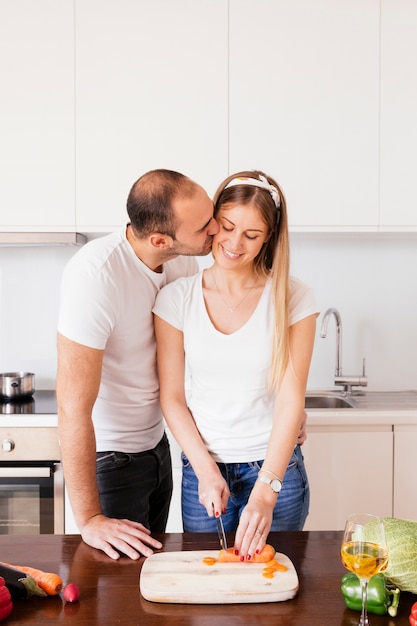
(228, 373)
(107, 295)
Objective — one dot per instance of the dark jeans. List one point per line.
(136, 486)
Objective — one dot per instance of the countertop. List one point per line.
(110, 589)
(371, 408)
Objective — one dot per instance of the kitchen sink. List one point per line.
(330, 401)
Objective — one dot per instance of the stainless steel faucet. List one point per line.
(346, 381)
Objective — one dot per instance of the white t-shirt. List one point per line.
(107, 295)
(228, 395)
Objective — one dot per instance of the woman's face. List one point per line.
(241, 235)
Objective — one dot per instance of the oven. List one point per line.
(31, 476)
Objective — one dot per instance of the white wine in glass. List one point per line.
(364, 552)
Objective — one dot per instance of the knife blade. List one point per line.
(220, 530)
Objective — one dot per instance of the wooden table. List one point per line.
(110, 589)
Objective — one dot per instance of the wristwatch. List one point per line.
(274, 483)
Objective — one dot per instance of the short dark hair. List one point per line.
(150, 201)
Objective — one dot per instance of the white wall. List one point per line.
(29, 296)
(371, 280)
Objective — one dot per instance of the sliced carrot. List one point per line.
(229, 556)
(275, 566)
(209, 560)
(49, 582)
(272, 567)
(279, 567)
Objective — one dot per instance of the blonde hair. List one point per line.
(274, 258)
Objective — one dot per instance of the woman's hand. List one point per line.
(255, 522)
(213, 491)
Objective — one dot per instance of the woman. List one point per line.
(243, 330)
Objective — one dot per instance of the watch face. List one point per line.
(276, 485)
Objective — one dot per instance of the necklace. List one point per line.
(230, 308)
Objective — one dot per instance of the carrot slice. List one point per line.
(272, 567)
(228, 556)
(279, 567)
(209, 560)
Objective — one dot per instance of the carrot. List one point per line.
(49, 582)
(209, 560)
(228, 556)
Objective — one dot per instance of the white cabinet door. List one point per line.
(350, 471)
(37, 189)
(174, 524)
(405, 472)
(70, 527)
(151, 85)
(304, 105)
(398, 114)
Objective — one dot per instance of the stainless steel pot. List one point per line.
(15, 385)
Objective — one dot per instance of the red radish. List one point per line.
(72, 593)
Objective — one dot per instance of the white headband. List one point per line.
(258, 182)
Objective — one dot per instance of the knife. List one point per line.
(220, 530)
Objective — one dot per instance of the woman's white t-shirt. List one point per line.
(228, 394)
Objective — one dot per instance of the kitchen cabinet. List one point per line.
(398, 114)
(37, 184)
(174, 524)
(150, 93)
(70, 526)
(304, 106)
(96, 92)
(350, 470)
(405, 471)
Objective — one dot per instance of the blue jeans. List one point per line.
(136, 486)
(291, 509)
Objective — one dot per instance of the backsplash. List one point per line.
(29, 298)
(371, 280)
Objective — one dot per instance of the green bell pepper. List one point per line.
(380, 601)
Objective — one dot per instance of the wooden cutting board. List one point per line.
(182, 577)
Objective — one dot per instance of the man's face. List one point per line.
(197, 226)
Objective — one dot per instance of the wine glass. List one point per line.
(364, 552)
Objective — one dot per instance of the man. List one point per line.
(115, 454)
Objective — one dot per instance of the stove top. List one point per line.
(43, 402)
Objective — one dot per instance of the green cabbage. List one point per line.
(401, 536)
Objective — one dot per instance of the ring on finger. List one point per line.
(258, 532)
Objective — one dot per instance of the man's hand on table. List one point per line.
(119, 536)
